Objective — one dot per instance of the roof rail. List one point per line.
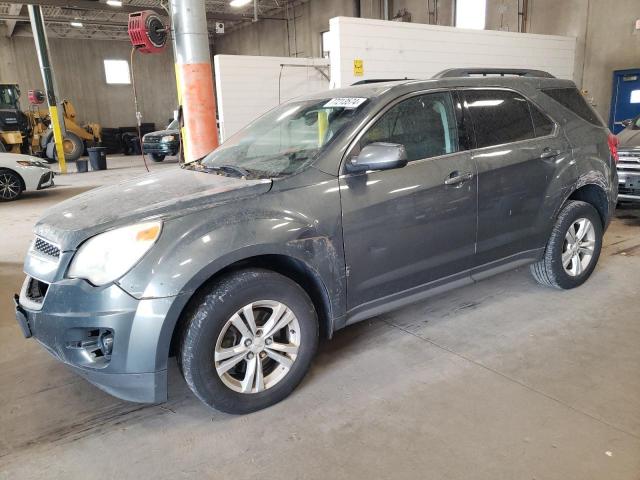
(379, 80)
(469, 72)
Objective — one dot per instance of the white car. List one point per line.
(22, 172)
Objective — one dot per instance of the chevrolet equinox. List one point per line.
(327, 210)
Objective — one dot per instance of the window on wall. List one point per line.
(117, 72)
(471, 14)
(325, 44)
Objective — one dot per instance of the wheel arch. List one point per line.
(293, 268)
(594, 195)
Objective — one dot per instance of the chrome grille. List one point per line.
(629, 161)
(46, 248)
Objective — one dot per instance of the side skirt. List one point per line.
(422, 292)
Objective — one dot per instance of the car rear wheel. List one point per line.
(157, 157)
(573, 248)
(10, 185)
(248, 341)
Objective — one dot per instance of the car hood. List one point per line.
(629, 138)
(172, 192)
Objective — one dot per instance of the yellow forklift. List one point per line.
(30, 132)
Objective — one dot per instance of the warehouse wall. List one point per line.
(397, 50)
(298, 37)
(78, 65)
(606, 39)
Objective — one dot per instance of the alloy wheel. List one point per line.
(9, 186)
(578, 248)
(257, 346)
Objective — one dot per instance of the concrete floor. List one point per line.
(500, 380)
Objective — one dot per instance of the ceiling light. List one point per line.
(77, 24)
(240, 3)
(114, 3)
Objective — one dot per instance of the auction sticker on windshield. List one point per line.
(345, 102)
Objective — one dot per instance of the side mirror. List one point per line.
(379, 156)
(626, 122)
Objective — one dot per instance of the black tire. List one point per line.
(73, 145)
(2, 149)
(208, 314)
(549, 271)
(157, 157)
(10, 185)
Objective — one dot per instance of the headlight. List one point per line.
(109, 255)
(32, 163)
(168, 138)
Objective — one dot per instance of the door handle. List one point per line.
(549, 153)
(455, 178)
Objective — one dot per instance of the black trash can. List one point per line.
(82, 165)
(98, 158)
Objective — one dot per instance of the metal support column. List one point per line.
(194, 78)
(42, 49)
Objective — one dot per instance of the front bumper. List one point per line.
(71, 317)
(163, 148)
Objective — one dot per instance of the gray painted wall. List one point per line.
(79, 70)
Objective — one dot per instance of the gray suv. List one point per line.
(328, 210)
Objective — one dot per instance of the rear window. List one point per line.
(572, 99)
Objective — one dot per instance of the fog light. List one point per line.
(106, 343)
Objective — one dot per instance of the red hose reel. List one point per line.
(147, 32)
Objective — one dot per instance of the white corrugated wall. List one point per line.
(398, 50)
(248, 86)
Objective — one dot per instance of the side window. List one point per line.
(541, 123)
(499, 116)
(424, 124)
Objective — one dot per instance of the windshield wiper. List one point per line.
(227, 169)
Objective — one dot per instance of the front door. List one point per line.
(407, 227)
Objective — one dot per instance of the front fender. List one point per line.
(193, 248)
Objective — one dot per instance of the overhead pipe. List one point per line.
(42, 50)
(194, 78)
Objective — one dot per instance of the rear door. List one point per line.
(407, 227)
(517, 148)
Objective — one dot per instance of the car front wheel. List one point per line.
(10, 185)
(573, 248)
(248, 341)
(157, 157)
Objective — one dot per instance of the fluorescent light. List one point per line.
(114, 3)
(77, 24)
(239, 3)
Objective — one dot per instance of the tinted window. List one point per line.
(499, 116)
(424, 124)
(541, 123)
(572, 99)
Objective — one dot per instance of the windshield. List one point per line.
(287, 139)
(8, 96)
(174, 125)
